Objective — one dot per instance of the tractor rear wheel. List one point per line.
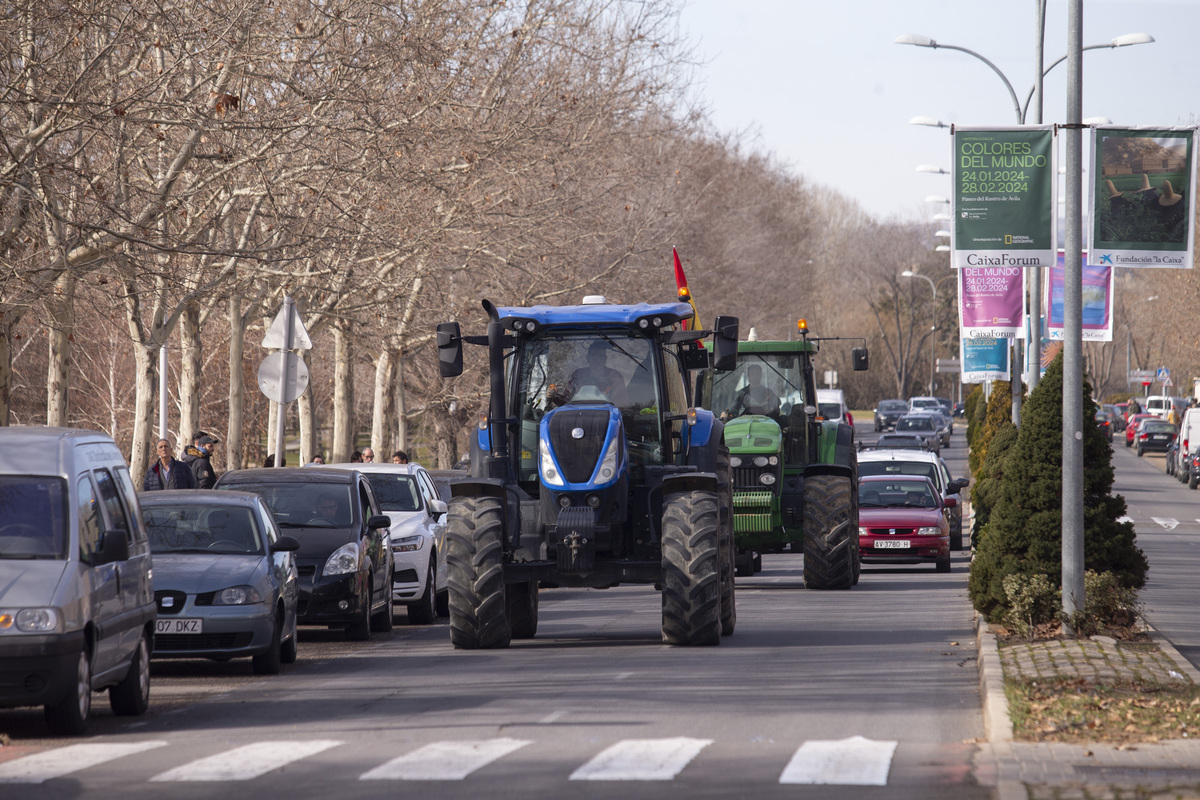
(475, 567)
(521, 599)
(691, 573)
(830, 533)
(728, 554)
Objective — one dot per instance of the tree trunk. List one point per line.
(272, 427)
(189, 374)
(384, 369)
(343, 394)
(145, 380)
(401, 410)
(8, 321)
(237, 343)
(307, 415)
(60, 305)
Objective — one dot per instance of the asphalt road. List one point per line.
(875, 687)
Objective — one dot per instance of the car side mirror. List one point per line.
(113, 547)
(450, 351)
(725, 343)
(379, 521)
(285, 544)
(437, 508)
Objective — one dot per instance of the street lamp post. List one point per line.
(908, 273)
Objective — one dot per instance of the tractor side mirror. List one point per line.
(725, 342)
(450, 351)
(858, 357)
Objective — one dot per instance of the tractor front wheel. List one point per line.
(728, 550)
(830, 533)
(691, 574)
(475, 567)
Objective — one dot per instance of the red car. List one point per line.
(902, 520)
(1131, 427)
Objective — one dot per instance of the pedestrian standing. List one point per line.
(399, 457)
(167, 472)
(368, 455)
(202, 468)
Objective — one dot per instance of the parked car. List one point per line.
(1122, 414)
(406, 493)
(225, 580)
(1188, 439)
(1115, 415)
(345, 558)
(902, 520)
(887, 412)
(75, 577)
(1154, 436)
(1104, 423)
(923, 425)
(922, 403)
(943, 423)
(923, 464)
(960, 410)
(1131, 426)
(910, 441)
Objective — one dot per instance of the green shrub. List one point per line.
(1024, 532)
(985, 490)
(1032, 600)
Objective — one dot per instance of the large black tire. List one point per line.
(131, 697)
(521, 601)
(269, 662)
(1191, 479)
(384, 620)
(830, 533)
(423, 612)
(728, 548)
(69, 716)
(691, 579)
(360, 629)
(289, 651)
(475, 574)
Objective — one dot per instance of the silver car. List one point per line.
(224, 579)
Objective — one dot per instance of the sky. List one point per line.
(821, 86)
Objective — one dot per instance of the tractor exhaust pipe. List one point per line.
(497, 413)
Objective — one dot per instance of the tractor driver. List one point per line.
(755, 397)
(597, 373)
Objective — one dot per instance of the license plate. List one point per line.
(892, 544)
(178, 626)
(1159, 436)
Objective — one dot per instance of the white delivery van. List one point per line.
(76, 599)
(1189, 430)
(831, 404)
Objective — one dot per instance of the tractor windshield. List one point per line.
(770, 384)
(614, 367)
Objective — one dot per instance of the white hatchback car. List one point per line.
(406, 494)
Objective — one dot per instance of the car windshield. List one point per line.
(888, 406)
(304, 505)
(915, 424)
(895, 494)
(33, 517)
(394, 492)
(202, 528)
(829, 410)
(1158, 427)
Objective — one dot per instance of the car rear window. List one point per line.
(395, 492)
(898, 468)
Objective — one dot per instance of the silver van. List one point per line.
(76, 599)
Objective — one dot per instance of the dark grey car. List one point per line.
(225, 581)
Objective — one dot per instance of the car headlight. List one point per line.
(766, 479)
(735, 461)
(546, 465)
(929, 531)
(408, 544)
(237, 596)
(30, 620)
(864, 532)
(344, 560)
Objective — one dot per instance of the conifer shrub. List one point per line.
(1024, 531)
(999, 411)
(985, 490)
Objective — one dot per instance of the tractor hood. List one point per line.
(753, 434)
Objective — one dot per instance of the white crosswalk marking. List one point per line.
(444, 761)
(849, 762)
(642, 760)
(1125, 519)
(1166, 522)
(246, 763)
(41, 767)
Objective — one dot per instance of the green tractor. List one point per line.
(795, 474)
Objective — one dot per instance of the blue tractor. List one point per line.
(591, 469)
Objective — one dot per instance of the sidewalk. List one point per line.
(1095, 771)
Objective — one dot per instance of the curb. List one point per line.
(997, 725)
(1181, 663)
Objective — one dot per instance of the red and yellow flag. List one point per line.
(684, 294)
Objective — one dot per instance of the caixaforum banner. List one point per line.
(984, 359)
(1142, 197)
(992, 301)
(1003, 202)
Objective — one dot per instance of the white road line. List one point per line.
(246, 763)
(642, 760)
(444, 761)
(1166, 522)
(620, 676)
(850, 762)
(43, 766)
(552, 717)
(1125, 519)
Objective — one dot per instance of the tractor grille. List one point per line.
(752, 523)
(578, 457)
(750, 478)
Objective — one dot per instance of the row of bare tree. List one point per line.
(171, 170)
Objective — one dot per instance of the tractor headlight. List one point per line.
(773, 461)
(760, 461)
(735, 461)
(546, 467)
(767, 478)
(608, 466)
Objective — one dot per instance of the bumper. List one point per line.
(921, 550)
(38, 670)
(331, 601)
(232, 632)
(411, 574)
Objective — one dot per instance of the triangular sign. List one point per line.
(274, 338)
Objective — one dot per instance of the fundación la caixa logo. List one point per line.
(1106, 258)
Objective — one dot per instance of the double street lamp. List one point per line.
(908, 273)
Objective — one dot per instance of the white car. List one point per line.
(406, 493)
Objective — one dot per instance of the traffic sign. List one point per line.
(270, 377)
(275, 334)
(949, 365)
(1162, 374)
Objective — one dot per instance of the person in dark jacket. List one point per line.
(167, 472)
(198, 457)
